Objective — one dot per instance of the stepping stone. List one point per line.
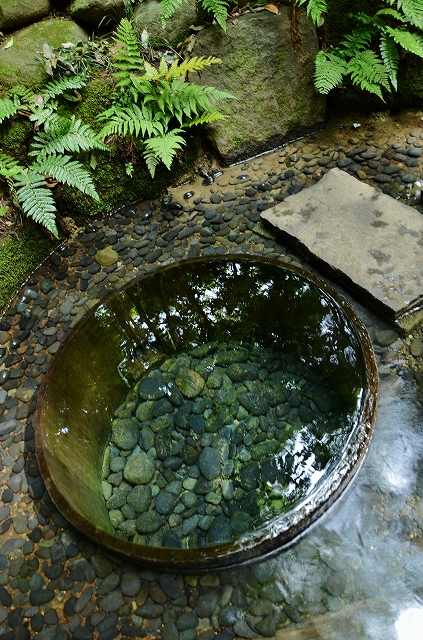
(365, 239)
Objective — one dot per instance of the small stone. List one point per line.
(209, 463)
(190, 383)
(106, 257)
(139, 469)
(416, 348)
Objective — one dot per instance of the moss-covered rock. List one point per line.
(147, 16)
(16, 13)
(19, 257)
(18, 63)
(94, 11)
(276, 96)
(15, 136)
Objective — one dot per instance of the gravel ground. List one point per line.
(54, 583)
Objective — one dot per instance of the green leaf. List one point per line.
(8, 108)
(67, 171)
(329, 71)
(407, 40)
(9, 167)
(4, 210)
(218, 9)
(368, 72)
(58, 86)
(390, 56)
(315, 9)
(36, 200)
(66, 135)
(164, 147)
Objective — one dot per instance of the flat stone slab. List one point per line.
(364, 238)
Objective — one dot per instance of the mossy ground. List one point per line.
(19, 257)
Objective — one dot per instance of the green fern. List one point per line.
(219, 10)
(205, 119)
(368, 72)
(67, 171)
(412, 9)
(329, 71)
(9, 167)
(65, 134)
(168, 8)
(358, 40)
(390, 56)
(57, 87)
(164, 147)
(36, 200)
(407, 40)
(134, 121)
(315, 9)
(126, 56)
(8, 108)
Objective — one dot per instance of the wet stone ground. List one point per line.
(359, 569)
(203, 448)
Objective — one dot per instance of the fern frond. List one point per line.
(205, 118)
(24, 94)
(329, 71)
(393, 13)
(126, 56)
(191, 65)
(413, 11)
(9, 167)
(219, 10)
(58, 86)
(8, 108)
(42, 115)
(390, 56)
(36, 200)
(167, 9)
(315, 9)
(133, 121)
(67, 171)
(409, 41)
(357, 40)
(151, 161)
(368, 72)
(74, 137)
(164, 147)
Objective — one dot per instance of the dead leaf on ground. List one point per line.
(272, 8)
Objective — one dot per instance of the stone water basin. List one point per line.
(208, 413)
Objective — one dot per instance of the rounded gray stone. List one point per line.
(139, 469)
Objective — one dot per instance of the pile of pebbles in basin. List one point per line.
(205, 448)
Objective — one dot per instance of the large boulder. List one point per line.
(177, 28)
(276, 97)
(95, 11)
(18, 63)
(15, 13)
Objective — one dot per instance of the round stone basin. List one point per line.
(207, 414)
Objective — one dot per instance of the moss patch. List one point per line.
(18, 258)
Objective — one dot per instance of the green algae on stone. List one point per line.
(18, 64)
(15, 13)
(106, 257)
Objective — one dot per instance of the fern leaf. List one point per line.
(407, 40)
(167, 9)
(328, 72)
(42, 115)
(132, 121)
(368, 72)
(151, 160)
(191, 65)
(126, 54)
(393, 13)
(8, 108)
(36, 200)
(24, 94)
(413, 11)
(9, 167)
(67, 171)
(315, 9)
(205, 118)
(58, 86)
(218, 9)
(357, 40)
(390, 56)
(74, 138)
(164, 147)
